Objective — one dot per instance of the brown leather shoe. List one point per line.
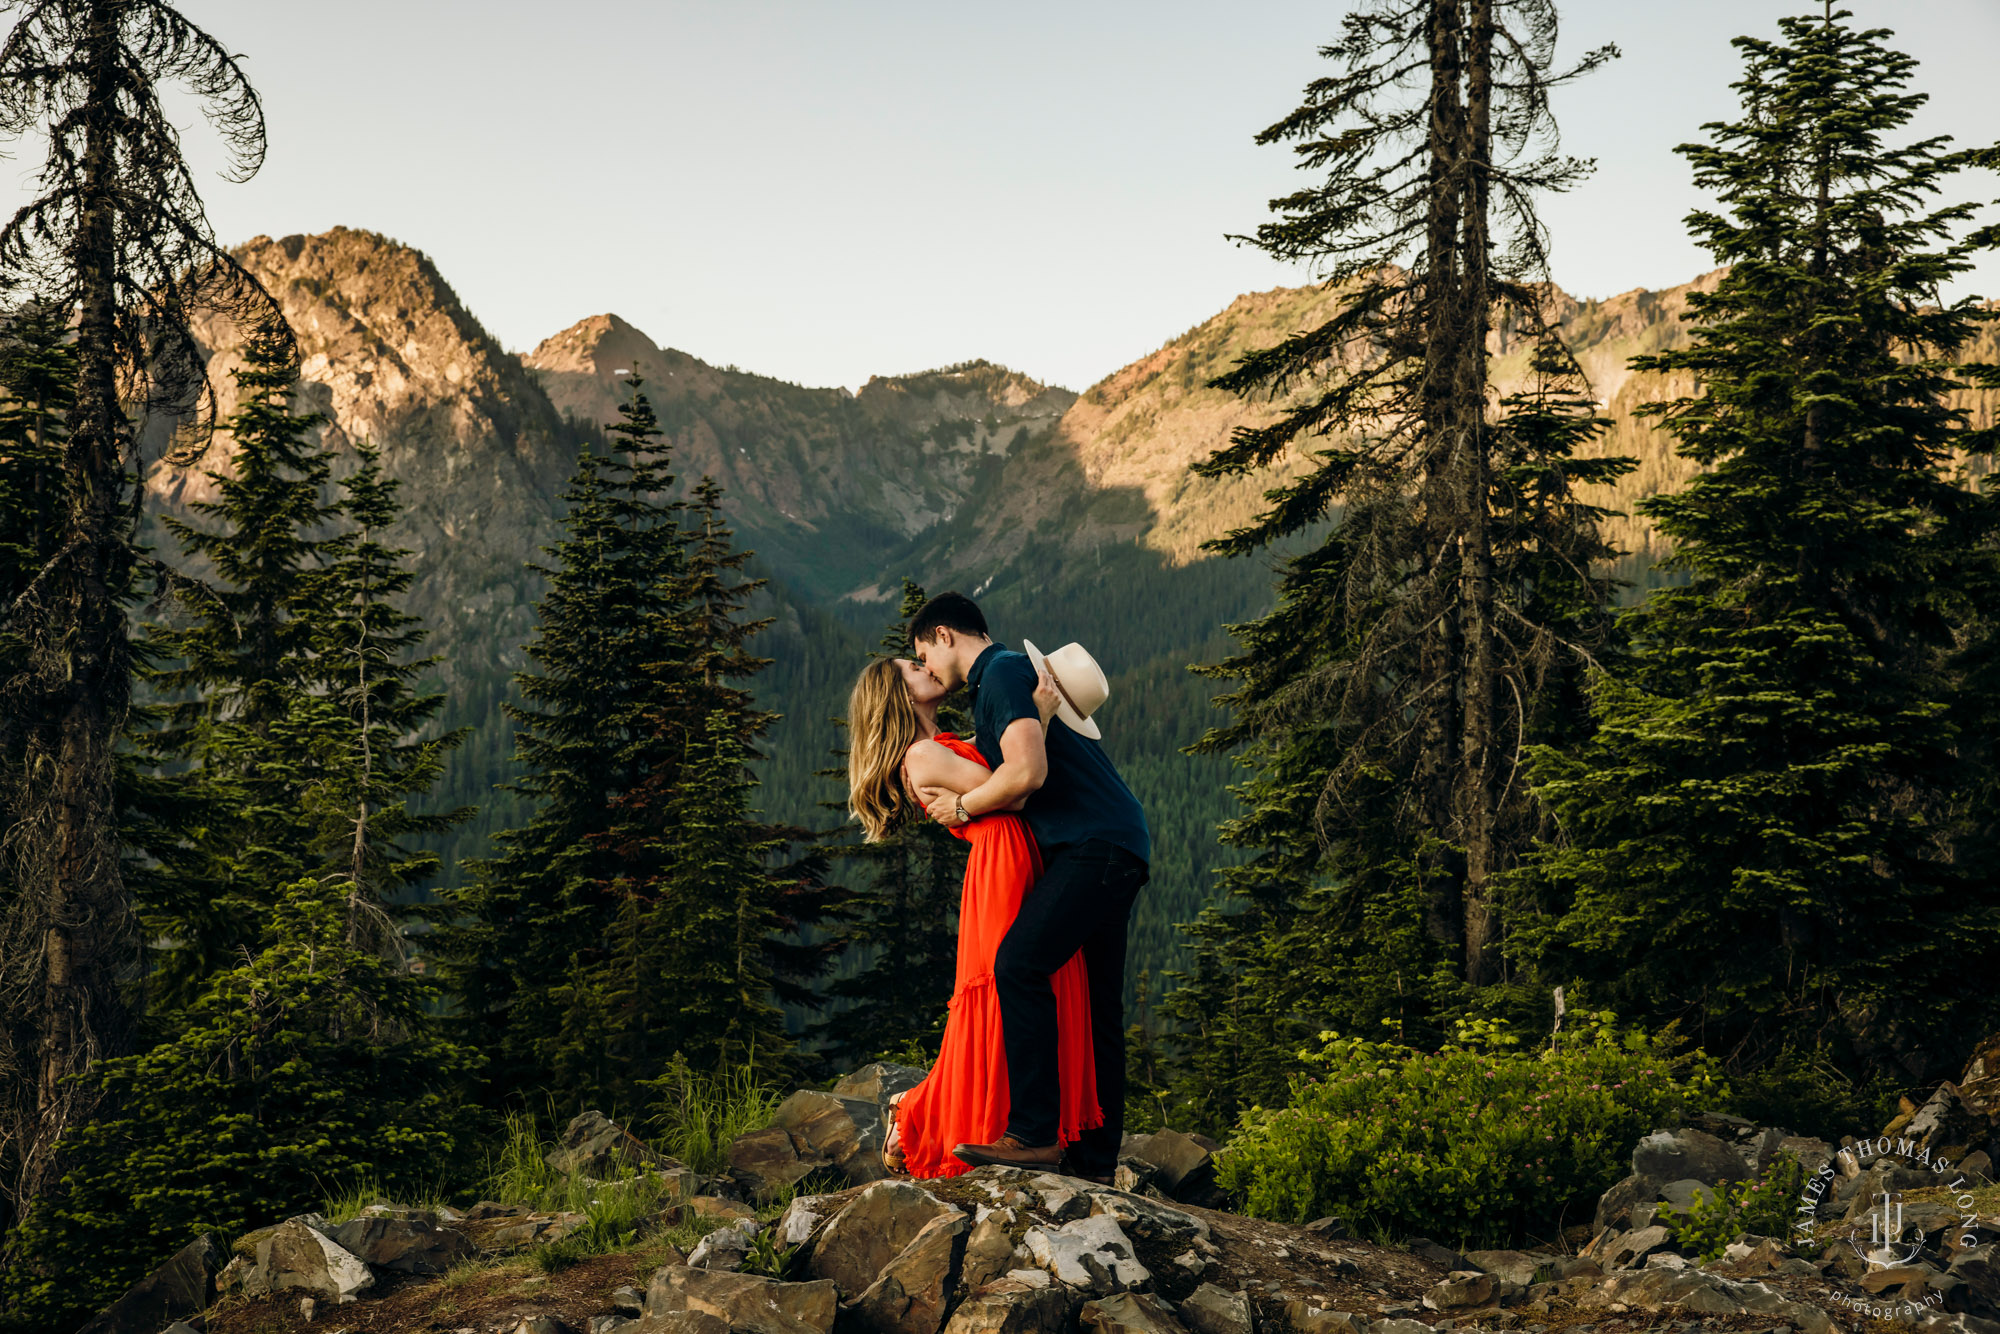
(1009, 1152)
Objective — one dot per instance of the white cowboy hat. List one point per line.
(1079, 682)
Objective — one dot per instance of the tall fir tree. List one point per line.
(700, 903)
(367, 672)
(1767, 838)
(1424, 626)
(116, 233)
(231, 674)
(525, 917)
(627, 674)
(901, 942)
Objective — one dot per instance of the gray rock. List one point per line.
(880, 1082)
(595, 1146)
(1671, 1155)
(1685, 1193)
(677, 1322)
(628, 1301)
(766, 1161)
(410, 1245)
(1011, 1306)
(910, 1295)
(1517, 1267)
(542, 1324)
(1942, 1120)
(1626, 1250)
(1212, 1310)
(609, 1324)
(1813, 1154)
(989, 1251)
(875, 1227)
(846, 1132)
(1148, 1220)
(724, 1248)
(802, 1219)
(1399, 1325)
(1330, 1228)
(182, 1286)
(1614, 1206)
(1308, 1319)
(1760, 1148)
(297, 1256)
(744, 1302)
(1129, 1313)
(1183, 1166)
(1443, 1257)
(1090, 1253)
(1462, 1290)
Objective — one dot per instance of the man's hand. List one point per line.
(940, 804)
(1047, 697)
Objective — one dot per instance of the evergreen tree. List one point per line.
(902, 939)
(367, 672)
(611, 627)
(1382, 703)
(699, 914)
(117, 234)
(305, 1057)
(1765, 838)
(234, 731)
(38, 373)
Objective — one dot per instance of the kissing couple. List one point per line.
(1031, 1072)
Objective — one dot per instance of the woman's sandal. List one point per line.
(892, 1144)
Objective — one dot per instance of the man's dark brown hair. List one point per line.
(947, 611)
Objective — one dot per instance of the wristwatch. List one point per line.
(963, 818)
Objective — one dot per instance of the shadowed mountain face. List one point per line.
(1069, 517)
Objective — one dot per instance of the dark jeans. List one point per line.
(1082, 902)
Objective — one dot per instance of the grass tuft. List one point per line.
(697, 1116)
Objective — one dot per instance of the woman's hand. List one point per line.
(941, 805)
(1047, 697)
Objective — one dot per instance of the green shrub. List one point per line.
(305, 1067)
(1478, 1142)
(1764, 1207)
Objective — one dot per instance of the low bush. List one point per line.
(1481, 1142)
(1764, 1207)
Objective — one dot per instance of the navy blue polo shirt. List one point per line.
(1083, 797)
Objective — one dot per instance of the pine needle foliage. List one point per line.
(645, 911)
(1445, 601)
(1768, 837)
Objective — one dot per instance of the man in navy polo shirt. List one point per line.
(1095, 849)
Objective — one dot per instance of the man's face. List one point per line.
(940, 660)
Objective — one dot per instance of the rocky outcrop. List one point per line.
(183, 1286)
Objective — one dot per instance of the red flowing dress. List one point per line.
(964, 1098)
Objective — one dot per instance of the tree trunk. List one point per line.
(1441, 523)
(78, 932)
(1476, 805)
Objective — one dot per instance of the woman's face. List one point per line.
(923, 687)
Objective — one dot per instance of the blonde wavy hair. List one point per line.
(882, 725)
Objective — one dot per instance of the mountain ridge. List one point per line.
(1073, 515)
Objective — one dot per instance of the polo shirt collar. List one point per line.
(978, 668)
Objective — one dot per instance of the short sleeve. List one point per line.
(1006, 694)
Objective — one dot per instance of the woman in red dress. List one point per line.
(894, 748)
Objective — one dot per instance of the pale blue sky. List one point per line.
(824, 191)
